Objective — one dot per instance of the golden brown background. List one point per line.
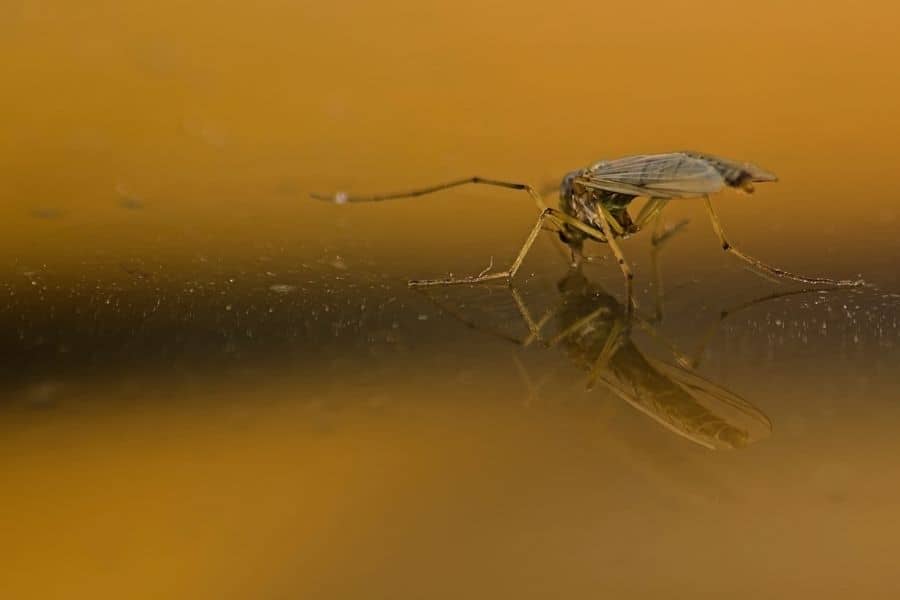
(172, 428)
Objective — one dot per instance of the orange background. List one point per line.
(219, 117)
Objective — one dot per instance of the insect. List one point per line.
(594, 201)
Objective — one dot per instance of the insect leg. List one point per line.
(696, 357)
(617, 251)
(556, 216)
(344, 198)
(761, 266)
(617, 337)
(534, 327)
(508, 274)
(654, 264)
(649, 211)
(578, 325)
(610, 220)
(682, 358)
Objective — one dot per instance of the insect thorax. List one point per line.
(583, 205)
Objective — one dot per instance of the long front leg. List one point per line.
(345, 198)
(555, 216)
(761, 266)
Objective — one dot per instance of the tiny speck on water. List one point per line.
(423, 317)
(282, 288)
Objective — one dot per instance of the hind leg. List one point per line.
(761, 266)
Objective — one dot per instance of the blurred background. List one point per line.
(216, 387)
(218, 117)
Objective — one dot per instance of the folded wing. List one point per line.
(672, 175)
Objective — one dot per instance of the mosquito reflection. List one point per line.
(595, 332)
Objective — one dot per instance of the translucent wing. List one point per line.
(673, 175)
(686, 403)
(730, 421)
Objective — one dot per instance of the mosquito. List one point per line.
(594, 201)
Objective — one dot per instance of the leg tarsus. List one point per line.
(461, 280)
(485, 275)
(761, 266)
(558, 218)
(487, 269)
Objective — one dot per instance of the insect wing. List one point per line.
(689, 405)
(733, 422)
(673, 175)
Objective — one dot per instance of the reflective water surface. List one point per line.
(214, 387)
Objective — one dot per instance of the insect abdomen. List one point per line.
(739, 175)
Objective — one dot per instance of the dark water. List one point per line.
(319, 430)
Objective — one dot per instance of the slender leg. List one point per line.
(344, 198)
(508, 274)
(761, 266)
(654, 265)
(620, 258)
(662, 234)
(650, 210)
(617, 337)
(534, 327)
(556, 216)
(682, 358)
(694, 360)
(610, 220)
(578, 325)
